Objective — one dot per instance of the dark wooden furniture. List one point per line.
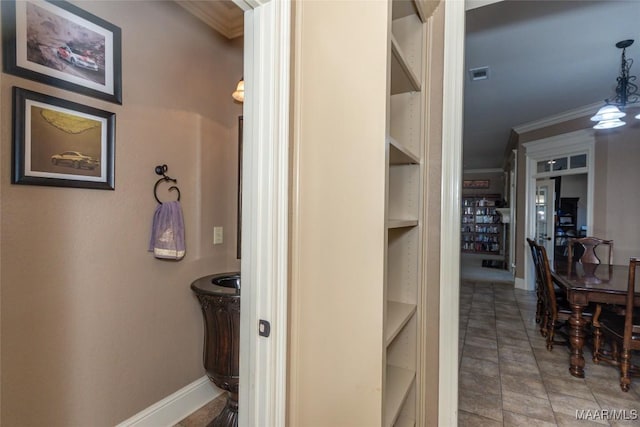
(583, 250)
(539, 284)
(219, 297)
(583, 284)
(623, 330)
(587, 253)
(555, 308)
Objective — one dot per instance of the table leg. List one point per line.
(576, 339)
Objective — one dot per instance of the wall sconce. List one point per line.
(238, 94)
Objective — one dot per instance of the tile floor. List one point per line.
(508, 377)
(203, 416)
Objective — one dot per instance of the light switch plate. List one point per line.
(217, 235)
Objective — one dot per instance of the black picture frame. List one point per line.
(239, 233)
(47, 130)
(59, 44)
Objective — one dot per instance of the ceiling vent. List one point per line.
(480, 73)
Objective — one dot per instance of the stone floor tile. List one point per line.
(567, 384)
(528, 405)
(519, 355)
(511, 367)
(479, 383)
(484, 367)
(518, 420)
(482, 342)
(467, 419)
(564, 420)
(485, 405)
(480, 352)
(568, 405)
(518, 384)
(204, 415)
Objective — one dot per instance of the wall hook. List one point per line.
(162, 170)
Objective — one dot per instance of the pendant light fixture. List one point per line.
(238, 94)
(608, 117)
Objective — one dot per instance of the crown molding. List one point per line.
(586, 110)
(228, 21)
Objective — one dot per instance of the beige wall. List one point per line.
(617, 154)
(617, 201)
(94, 329)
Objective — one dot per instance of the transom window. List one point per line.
(563, 163)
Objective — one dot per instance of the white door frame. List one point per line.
(452, 109)
(567, 144)
(267, 44)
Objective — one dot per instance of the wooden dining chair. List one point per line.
(587, 255)
(556, 310)
(623, 331)
(588, 246)
(538, 278)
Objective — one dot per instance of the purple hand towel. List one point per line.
(167, 232)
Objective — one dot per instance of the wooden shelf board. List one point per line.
(398, 314)
(401, 223)
(399, 382)
(403, 79)
(400, 155)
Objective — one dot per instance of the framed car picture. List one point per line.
(61, 143)
(57, 43)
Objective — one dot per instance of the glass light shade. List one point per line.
(609, 124)
(238, 94)
(608, 112)
(638, 116)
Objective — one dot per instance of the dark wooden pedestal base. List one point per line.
(229, 415)
(220, 305)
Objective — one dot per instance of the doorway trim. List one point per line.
(567, 144)
(452, 109)
(265, 200)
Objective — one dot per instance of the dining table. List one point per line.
(585, 284)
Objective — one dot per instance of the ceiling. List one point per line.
(544, 58)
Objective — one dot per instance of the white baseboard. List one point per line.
(170, 410)
(520, 284)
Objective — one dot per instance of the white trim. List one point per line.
(513, 198)
(587, 110)
(581, 141)
(519, 283)
(452, 106)
(488, 170)
(265, 180)
(175, 407)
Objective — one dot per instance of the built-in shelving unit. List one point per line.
(404, 211)
(481, 224)
(566, 225)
